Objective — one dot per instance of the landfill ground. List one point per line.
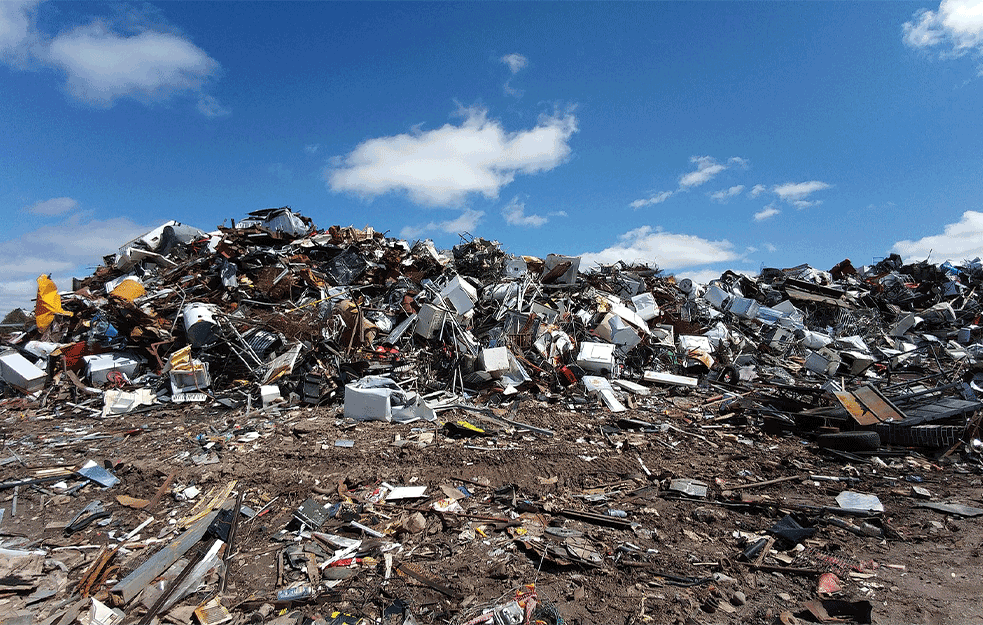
(928, 574)
(273, 423)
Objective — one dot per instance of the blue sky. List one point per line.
(700, 137)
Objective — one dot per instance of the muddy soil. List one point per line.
(668, 559)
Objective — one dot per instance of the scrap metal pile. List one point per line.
(271, 319)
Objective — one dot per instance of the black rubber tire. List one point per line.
(850, 441)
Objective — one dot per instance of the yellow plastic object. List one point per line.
(129, 290)
(48, 304)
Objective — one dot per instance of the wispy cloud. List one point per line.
(312, 148)
(757, 190)
(17, 33)
(281, 171)
(467, 221)
(956, 27)
(766, 213)
(54, 206)
(706, 169)
(770, 247)
(103, 62)
(725, 194)
(515, 215)
(658, 198)
(796, 193)
(666, 249)
(442, 167)
(515, 63)
(211, 107)
(557, 214)
(958, 242)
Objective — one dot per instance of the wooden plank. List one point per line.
(126, 589)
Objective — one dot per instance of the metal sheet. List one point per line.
(852, 405)
(876, 404)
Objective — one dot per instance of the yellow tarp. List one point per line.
(48, 304)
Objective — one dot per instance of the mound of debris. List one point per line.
(276, 423)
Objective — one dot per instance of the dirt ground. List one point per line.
(668, 560)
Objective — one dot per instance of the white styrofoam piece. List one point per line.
(406, 492)
(668, 378)
(269, 393)
(631, 387)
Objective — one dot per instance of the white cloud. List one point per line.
(103, 65)
(766, 213)
(665, 249)
(658, 198)
(959, 242)
(312, 148)
(441, 167)
(771, 247)
(757, 190)
(515, 62)
(209, 106)
(17, 33)
(54, 206)
(465, 222)
(557, 214)
(515, 215)
(706, 168)
(103, 62)
(958, 24)
(71, 247)
(795, 193)
(725, 194)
